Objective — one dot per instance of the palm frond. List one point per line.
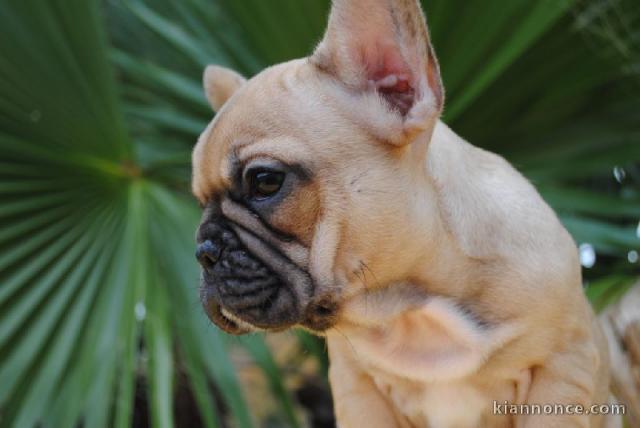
(100, 105)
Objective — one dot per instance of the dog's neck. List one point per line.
(442, 257)
(435, 271)
(431, 316)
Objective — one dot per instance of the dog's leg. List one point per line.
(565, 379)
(357, 400)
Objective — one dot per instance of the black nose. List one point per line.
(208, 254)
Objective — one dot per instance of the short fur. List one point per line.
(445, 282)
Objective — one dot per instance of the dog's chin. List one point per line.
(275, 309)
(230, 323)
(281, 314)
(226, 321)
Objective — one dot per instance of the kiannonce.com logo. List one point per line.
(506, 408)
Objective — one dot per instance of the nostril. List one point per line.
(208, 254)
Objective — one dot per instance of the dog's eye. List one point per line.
(265, 183)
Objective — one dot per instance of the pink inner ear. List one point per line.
(388, 73)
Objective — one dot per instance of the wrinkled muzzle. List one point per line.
(247, 283)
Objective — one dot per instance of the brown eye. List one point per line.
(265, 183)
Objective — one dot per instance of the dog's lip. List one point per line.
(234, 324)
(216, 314)
(237, 321)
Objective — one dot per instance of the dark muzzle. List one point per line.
(236, 281)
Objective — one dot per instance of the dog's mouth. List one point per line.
(240, 309)
(247, 284)
(226, 320)
(241, 293)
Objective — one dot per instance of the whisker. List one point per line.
(365, 285)
(371, 272)
(349, 342)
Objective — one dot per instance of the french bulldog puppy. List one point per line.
(336, 200)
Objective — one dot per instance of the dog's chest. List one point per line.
(437, 342)
(426, 363)
(438, 405)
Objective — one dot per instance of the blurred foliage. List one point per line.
(101, 103)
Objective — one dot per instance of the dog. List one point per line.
(334, 199)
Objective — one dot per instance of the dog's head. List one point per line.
(305, 173)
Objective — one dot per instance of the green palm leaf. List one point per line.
(100, 104)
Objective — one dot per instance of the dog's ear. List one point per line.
(383, 46)
(220, 84)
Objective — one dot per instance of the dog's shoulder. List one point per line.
(490, 208)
